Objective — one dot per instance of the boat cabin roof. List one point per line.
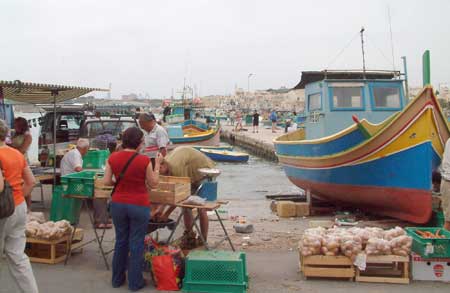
(314, 76)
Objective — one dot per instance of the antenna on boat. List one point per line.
(392, 40)
(362, 49)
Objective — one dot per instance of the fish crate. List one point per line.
(52, 251)
(430, 247)
(170, 190)
(79, 183)
(215, 271)
(323, 266)
(391, 269)
(95, 159)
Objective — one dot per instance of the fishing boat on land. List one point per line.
(225, 156)
(192, 132)
(383, 167)
(218, 148)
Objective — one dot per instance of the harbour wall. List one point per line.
(257, 147)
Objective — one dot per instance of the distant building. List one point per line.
(129, 97)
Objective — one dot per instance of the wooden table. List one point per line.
(211, 206)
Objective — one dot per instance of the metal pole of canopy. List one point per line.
(54, 94)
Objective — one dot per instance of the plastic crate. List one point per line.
(438, 219)
(216, 271)
(95, 159)
(64, 208)
(430, 248)
(80, 183)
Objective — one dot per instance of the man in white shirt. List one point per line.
(73, 160)
(155, 136)
(445, 184)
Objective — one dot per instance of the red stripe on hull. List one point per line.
(411, 205)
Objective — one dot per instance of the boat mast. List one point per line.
(362, 49)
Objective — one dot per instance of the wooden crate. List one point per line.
(52, 251)
(385, 269)
(101, 190)
(322, 266)
(171, 190)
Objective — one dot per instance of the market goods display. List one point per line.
(377, 246)
(48, 230)
(311, 242)
(401, 245)
(353, 241)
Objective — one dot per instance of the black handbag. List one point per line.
(7, 205)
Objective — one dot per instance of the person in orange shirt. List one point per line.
(12, 229)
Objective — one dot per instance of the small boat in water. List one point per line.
(217, 148)
(225, 156)
(384, 168)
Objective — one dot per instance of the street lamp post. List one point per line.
(248, 89)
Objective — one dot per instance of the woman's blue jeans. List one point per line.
(130, 222)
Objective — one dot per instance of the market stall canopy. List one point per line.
(38, 93)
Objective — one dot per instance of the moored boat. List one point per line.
(384, 168)
(192, 132)
(225, 156)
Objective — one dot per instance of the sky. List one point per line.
(151, 47)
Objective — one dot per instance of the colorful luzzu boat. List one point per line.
(192, 132)
(225, 156)
(383, 168)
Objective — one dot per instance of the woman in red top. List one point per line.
(130, 207)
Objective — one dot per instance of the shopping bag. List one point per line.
(165, 273)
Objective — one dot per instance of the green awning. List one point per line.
(38, 93)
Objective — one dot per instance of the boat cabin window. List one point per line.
(315, 102)
(347, 98)
(115, 128)
(386, 97)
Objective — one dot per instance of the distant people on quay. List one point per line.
(232, 117)
(17, 173)
(256, 121)
(130, 207)
(238, 121)
(273, 117)
(156, 138)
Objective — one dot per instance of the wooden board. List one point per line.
(322, 266)
(390, 269)
(170, 190)
(101, 190)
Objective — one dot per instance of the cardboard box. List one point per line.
(434, 269)
(286, 209)
(302, 209)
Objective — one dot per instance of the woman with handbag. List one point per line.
(18, 181)
(130, 207)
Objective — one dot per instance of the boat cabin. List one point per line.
(333, 97)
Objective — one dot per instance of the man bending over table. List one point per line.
(185, 162)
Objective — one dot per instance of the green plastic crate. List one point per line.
(80, 183)
(430, 248)
(438, 219)
(216, 271)
(95, 159)
(64, 208)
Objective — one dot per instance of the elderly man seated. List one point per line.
(72, 162)
(185, 162)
